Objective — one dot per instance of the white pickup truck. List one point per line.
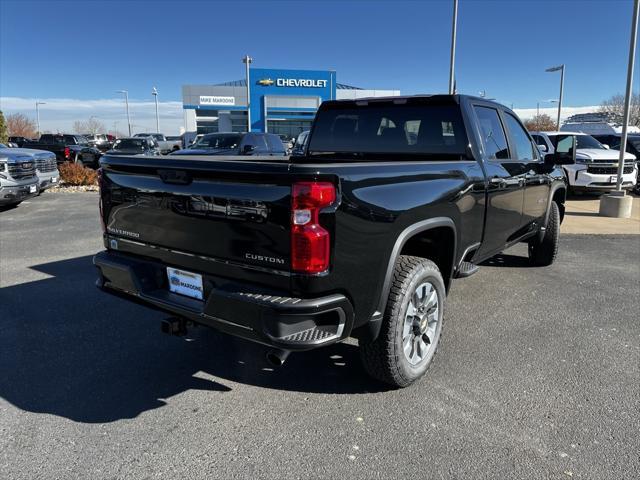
(165, 146)
(596, 166)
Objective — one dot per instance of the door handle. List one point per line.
(503, 182)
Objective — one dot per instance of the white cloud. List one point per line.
(525, 113)
(58, 114)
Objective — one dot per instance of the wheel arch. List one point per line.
(557, 194)
(409, 242)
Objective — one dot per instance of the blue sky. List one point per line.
(87, 50)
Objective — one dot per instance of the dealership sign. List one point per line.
(294, 82)
(213, 100)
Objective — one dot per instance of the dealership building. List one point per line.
(281, 101)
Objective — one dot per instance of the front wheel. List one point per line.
(543, 252)
(411, 326)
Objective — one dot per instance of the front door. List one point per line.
(537, 183)
(506, 179)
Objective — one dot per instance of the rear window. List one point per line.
(384, 128)
(216, 141)
(130, 144)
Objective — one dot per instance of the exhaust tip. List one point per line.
(277, 357)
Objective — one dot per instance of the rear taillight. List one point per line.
(100, 174)
(309, 240)
(67, 152)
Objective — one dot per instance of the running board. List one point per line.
(466, 269)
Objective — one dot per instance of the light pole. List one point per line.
(154, 92)
(247, 60)
(555, 69)
(38, 114)
(618, 203)
(126, 102)
(452, 86)
(627, 98)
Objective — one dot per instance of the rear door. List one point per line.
(506, 180)
(537, 183)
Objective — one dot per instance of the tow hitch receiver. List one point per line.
(174, 326)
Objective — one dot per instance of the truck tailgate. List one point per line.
(235, 211)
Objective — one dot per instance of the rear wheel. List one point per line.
(411, 326)
(543, 252)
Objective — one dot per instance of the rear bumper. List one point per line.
(238, 309)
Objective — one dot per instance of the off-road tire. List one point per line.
(542, 253)
(384, 358)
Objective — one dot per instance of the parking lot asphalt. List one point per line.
(537, 376)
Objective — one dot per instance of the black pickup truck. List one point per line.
(68, 148)
(361, 236)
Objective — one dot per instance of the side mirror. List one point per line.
(543, 148)
(565, 153)
(248, 149)
(606, 146)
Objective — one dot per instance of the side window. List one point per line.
(275, 144)
(539, 140)
(524, 147)
(411, 130)
(46, 139)
(257, 141)
(261, 143)
(493, 137)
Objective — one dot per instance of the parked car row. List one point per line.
(252, 143)
(164, 144)
(135, 146)
(596, 167)
(101, 141)
(24, 173)
(609, 133)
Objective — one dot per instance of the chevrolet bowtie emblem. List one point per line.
(266, 82)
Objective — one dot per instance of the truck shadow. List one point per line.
(68, 349)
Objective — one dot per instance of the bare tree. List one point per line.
(540, 123)
(614, 106)
(78, 127)
(90, 126)
(19, 125)
(4, 134)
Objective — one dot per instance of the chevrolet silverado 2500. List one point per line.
(360, 236)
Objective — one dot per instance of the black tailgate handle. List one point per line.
(175, 177)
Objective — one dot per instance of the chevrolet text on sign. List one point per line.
(300, 82)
